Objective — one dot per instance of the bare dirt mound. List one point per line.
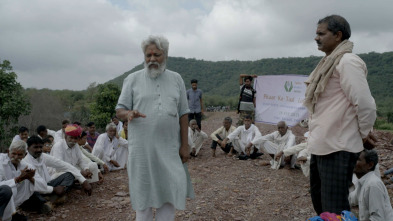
(225, 188)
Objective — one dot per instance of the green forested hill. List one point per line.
(220, 79)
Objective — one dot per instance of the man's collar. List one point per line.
(365, 177)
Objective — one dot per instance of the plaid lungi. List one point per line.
(330, 179)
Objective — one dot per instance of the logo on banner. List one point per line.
(288, 86)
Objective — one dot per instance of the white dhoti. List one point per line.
(272, 148)
(121, 157)
(93, 167)
(197, 144)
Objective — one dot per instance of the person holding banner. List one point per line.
(246, 104)
(342, 114)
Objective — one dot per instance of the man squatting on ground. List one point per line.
(68, 150)
(277, 141)
(58, 186)
(18, 175)
(342, 114)
(111, 148)
(245, 134)
(222, 133)
(154, 102)
(195, 137)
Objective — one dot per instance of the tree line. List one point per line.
(218, 80)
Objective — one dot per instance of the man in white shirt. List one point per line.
(118, 123)
(245, 134)
(23, 134)
(220, 134)
(40, 162)
(195, 137)
(60, 133)
(18, 175)
(370, 193)
(68, 150)
(111, 148)
(277, 141)
(42, 132)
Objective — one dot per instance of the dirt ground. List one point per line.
(225, 188)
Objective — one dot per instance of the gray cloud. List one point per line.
(70, 44)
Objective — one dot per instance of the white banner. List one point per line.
(280, 98)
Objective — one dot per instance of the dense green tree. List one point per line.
(13, 104)
(103, 108)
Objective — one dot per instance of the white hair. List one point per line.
(110, 126)
(18, 145)
(159, 41)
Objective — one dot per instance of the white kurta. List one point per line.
(222, 132)
(196, 139)
(42, 163)
(274, 142)
(20, 191)
(373, 199)
(72, 156)
(108, 150)
(16, 138)
(59, 135)
(245, 136)
(155, 170)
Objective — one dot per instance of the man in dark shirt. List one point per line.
(194, 97)
(246, 104)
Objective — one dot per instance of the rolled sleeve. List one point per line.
(125, 98)
(183, 104)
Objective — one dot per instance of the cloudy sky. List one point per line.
(70, 44)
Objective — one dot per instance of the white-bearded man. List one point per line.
(154, 102)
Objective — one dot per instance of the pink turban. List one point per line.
(73, 130)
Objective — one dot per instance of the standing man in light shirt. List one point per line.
(370, 193)
(195, 102)
(342, 114)
(154, 102)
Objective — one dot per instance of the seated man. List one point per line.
(18, 175)
(124, 132)
(68, 150)
(60, 133)
(303, 157)
(277, 141)
(47, 145)
(23, 134)
(89, 157)
(370, 192)
(42, 132)
(58, 186)
(195, 137)
(92, 134)
(222, 133)
(111, 148)
(118, 123)
(246, 134)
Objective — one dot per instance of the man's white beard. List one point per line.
(153, 72)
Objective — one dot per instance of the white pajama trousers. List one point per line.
(165, 213)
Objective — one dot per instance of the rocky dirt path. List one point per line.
(225, 188)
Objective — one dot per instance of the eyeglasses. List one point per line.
(49, 145)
